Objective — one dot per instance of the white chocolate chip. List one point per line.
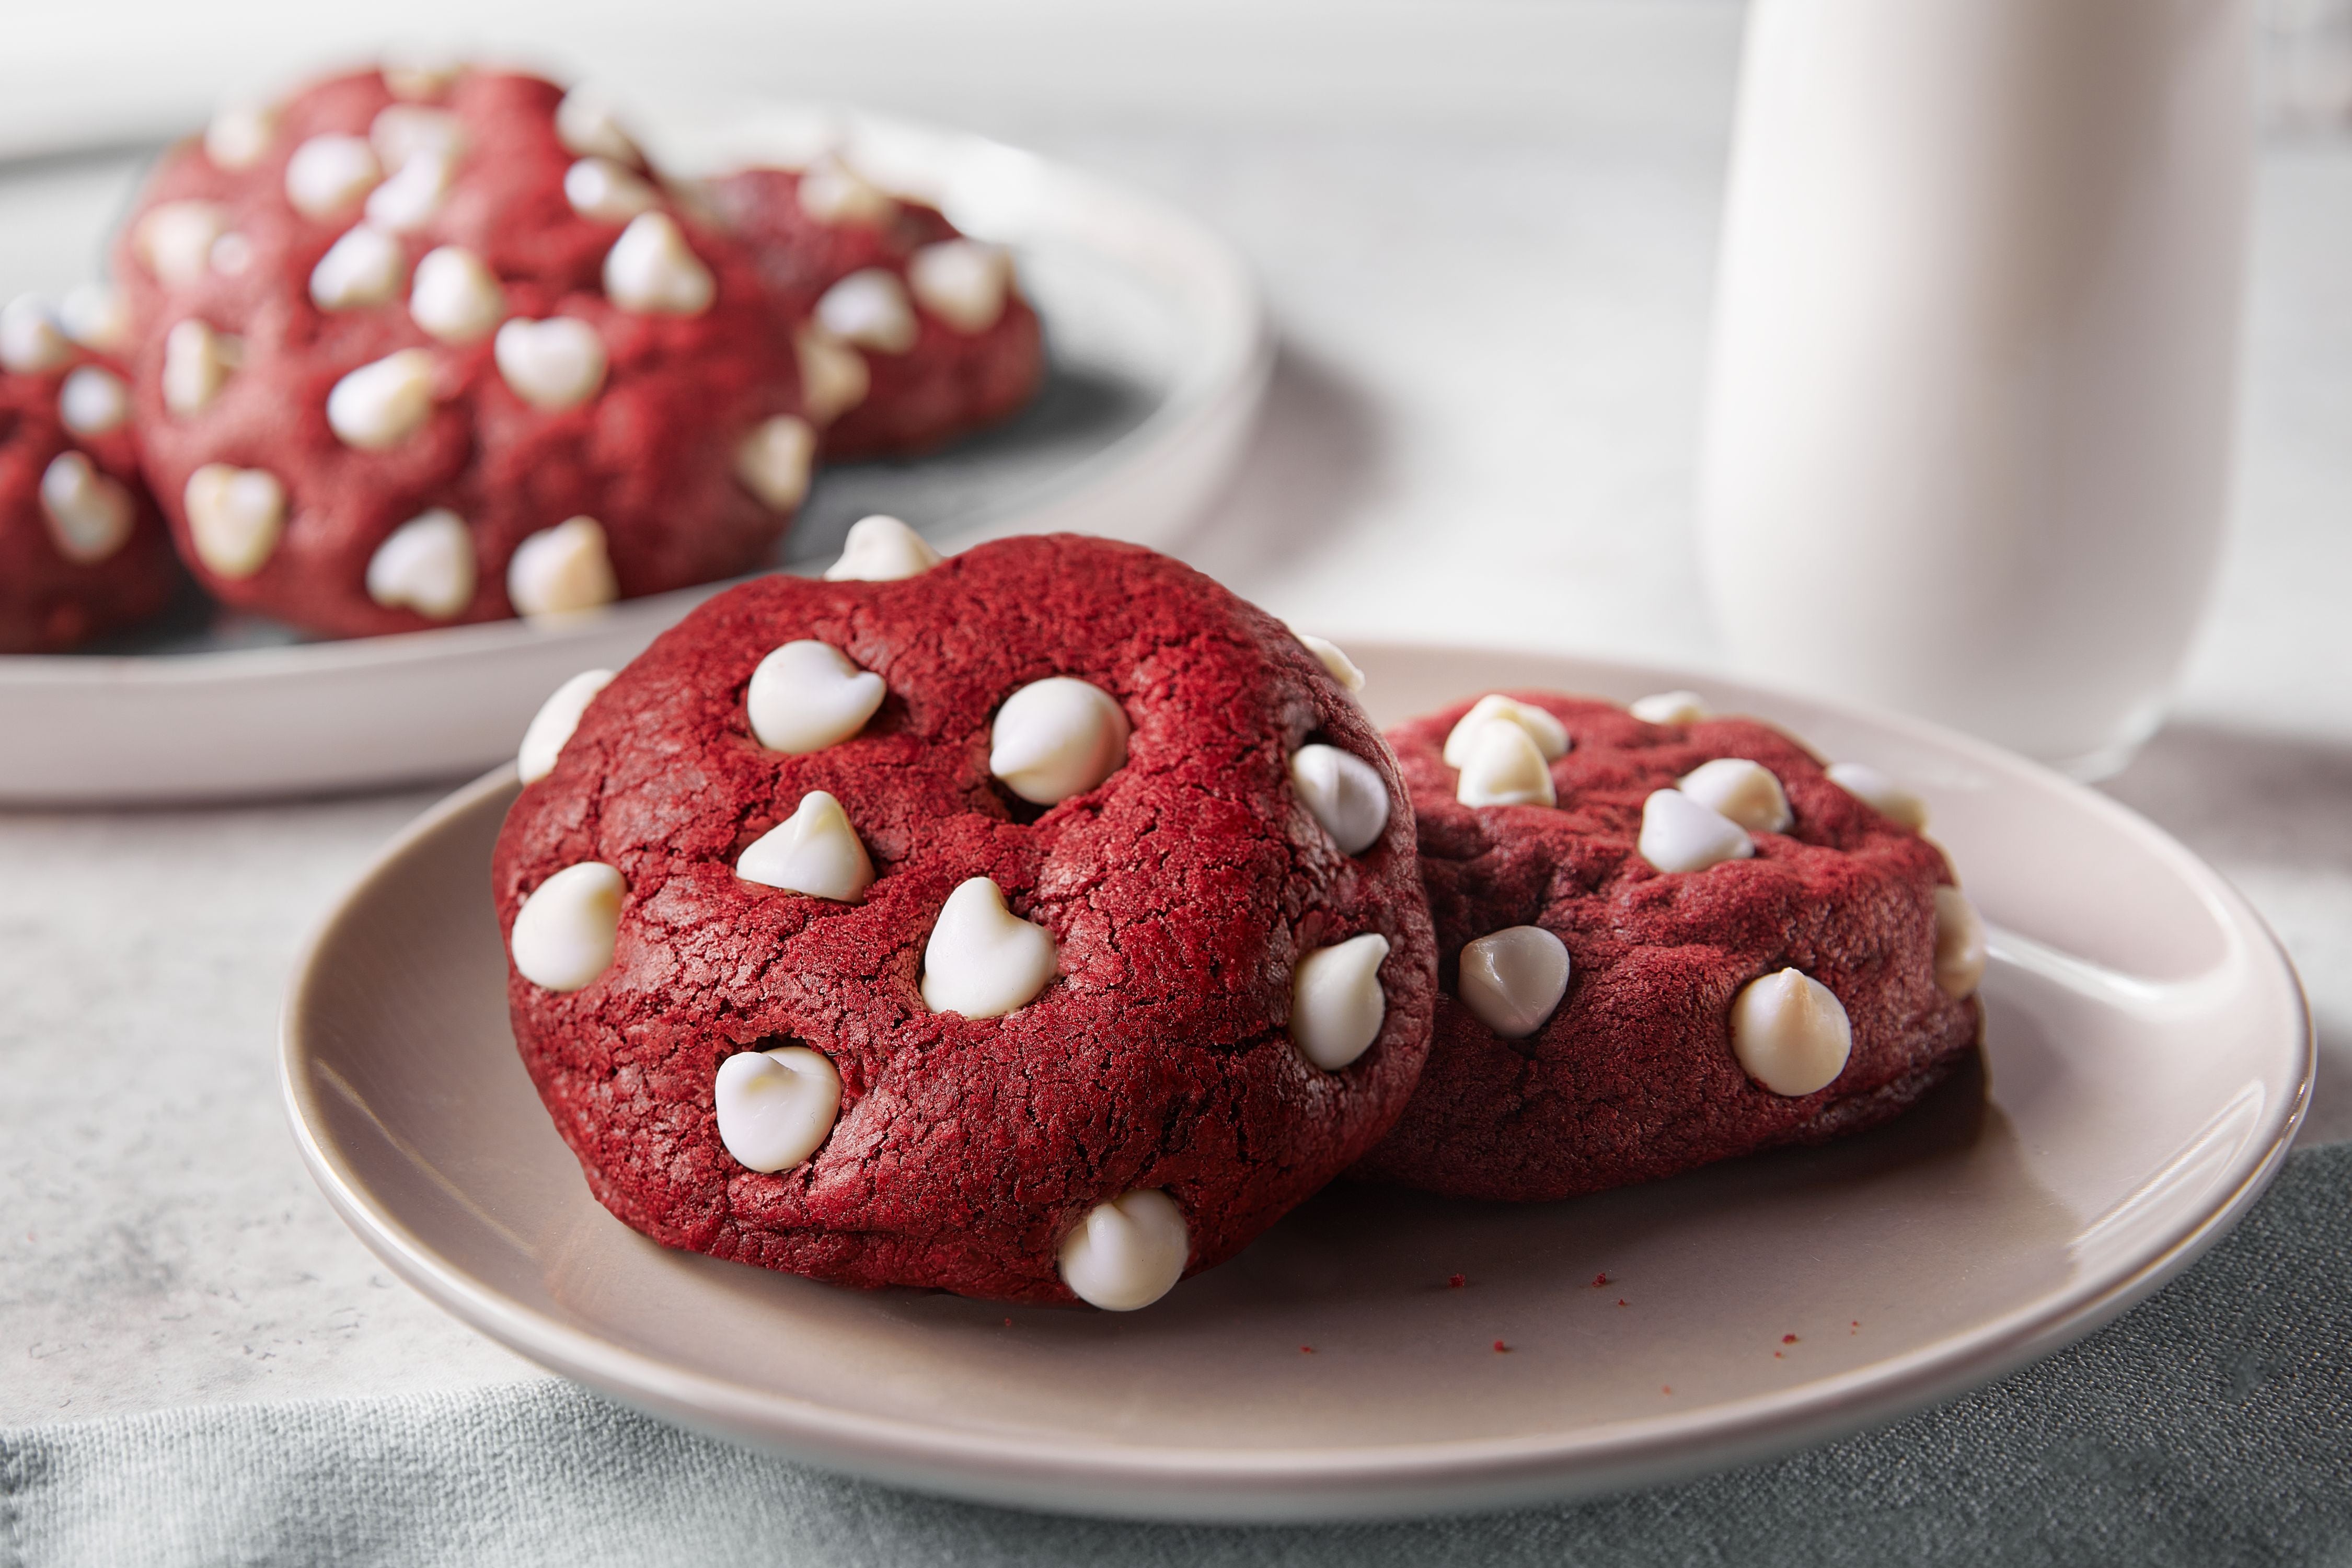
(832, 193)
(601, 189)
(833, 377)
(869, 309)
(196, 362)
(328, 175)
(408, 200)
(1669, 708)
(30, 340)
(566, 930)
(231, 254)
(551, 726)
(1744, 791)
(775, 459)
(1504, 766)
(456, 298)
(882, 549)
(585, 124)
(562, 570)
(1335, 662)
(962, 282)
(983, 959)
(92, 400)
(775, 1108)
(1881, 794)
(1057, 738)
(1678, 834)
(401, 132)
(1345, 793)
(89, 514)
(234, 517)
(426, 565)
(96, 316)
(175, 240)
(365, 267)
(553, 364)
(1513, 979)
(813, 851)
(1790, 1033)
(420, 76)
(1549, 734)
(382, 403)
(652, 271)
(1960, 944)
(239, 134)
(1337, 1005)
(1127, 1253)
(806, 695)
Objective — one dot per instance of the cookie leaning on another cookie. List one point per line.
(1662, 944)
(1040, 925)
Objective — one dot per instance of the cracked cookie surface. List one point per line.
(1180, 892)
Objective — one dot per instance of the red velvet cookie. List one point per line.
(450, 353)
(1041, 925)
(911, 335)
(1805, 970)
(81, 549)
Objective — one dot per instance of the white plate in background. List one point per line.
(1159, 354)
(2148, 1058)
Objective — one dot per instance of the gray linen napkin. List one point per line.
(2212, 1425)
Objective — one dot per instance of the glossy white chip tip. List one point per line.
(328, 174)
(562, 570)
(1512, 979)
(239, 134)
(426, 565)
(234, 517)
(832, 193)
(652, 271)
(1960, 944)
(983, 960)
(1337, 1005)
(1678, 834)
(807, 695)
(774, 461)
(882, 549)
(1668, 707)
(813, 851)
(456, 298)
(1057, 738)
(365, 267)
(775, 1108)
(1127, 1253)
(91, 402)
(869, 309)
(1345, 793)
(401, 132)
(565, 931)
(833, 377)
(383, 403)
(90, 515)
(1502, 766)
(1549, 734)
(552, 364)
(551, 728)
(175, 239)
(1882, 793)
(586, 125)
(96, 316)
(1743, 791)
(31, 340)
(962, 282)
(408, 200)
(197, 365)
(601, 189)
(1334, 660)
(1790, 1033)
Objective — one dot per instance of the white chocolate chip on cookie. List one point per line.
(775, 1108)
(1669, 708)
(882, 549)
(426, 565)
(553, 364)
(774, 461)
(807, 695)
(1790, 1033)
(813, 851)
(365, 267)
(652, 271)
(1502, 766)
(1678, 834)
(1128, 1253)
(90, 515)
(1881, 794)
(565, 932)
(328, 175)
(1344, 793)
(1745, 791)
(869, 309)
(1337, 1006)
(457, 298)
(1549, 734)
(562, 570)
(983, 961)
(1960, 944)
(234, 517)
(551, 728)
(1512, 979)
(383, 403)
(962, 282)
(1057, 738)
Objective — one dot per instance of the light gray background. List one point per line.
(1487, 232)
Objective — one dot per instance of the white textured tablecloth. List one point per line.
(1487, 233)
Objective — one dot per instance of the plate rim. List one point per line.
(1308, 1484)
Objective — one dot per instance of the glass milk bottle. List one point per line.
(1968, 440)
